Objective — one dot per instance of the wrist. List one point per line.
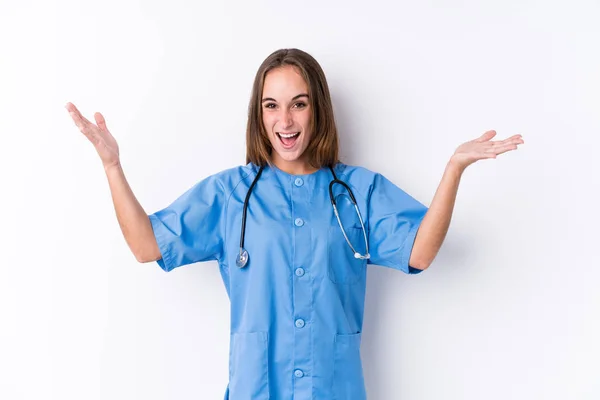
(108, 168)
(455, 167)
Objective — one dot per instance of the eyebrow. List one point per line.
(294, 98)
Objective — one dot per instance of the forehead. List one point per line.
(284, 82)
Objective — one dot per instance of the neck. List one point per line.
(297, 167)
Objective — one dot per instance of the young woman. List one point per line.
(293, 231)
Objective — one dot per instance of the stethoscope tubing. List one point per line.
(242, 258)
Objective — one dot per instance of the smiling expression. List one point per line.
(286, 115)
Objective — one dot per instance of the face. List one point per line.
(286, 117)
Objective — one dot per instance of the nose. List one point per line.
(286, 118)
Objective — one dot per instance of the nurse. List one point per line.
(293, 267)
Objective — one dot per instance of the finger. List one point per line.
(78, 119)
(513, 139)
(73, 112)
(486, 136)
(85, 126)
(502, 148)
(81, 121)
(505, 150)
(100, 121)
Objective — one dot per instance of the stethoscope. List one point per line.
(242, 258)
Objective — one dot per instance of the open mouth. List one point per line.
(288, 139)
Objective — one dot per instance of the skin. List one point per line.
(435, 224)
(286, 108)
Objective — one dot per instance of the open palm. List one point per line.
(483, 148)
(98, 134)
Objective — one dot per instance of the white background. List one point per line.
(510, 308)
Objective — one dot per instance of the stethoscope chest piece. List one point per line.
(242, 258)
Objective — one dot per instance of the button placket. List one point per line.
(303, 291)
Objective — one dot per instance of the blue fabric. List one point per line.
(297, 307)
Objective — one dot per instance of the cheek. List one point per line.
(306, 120)
(267, 121)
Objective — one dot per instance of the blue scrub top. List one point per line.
(297, 307)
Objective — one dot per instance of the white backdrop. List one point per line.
(509, 309)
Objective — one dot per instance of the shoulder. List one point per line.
(355, 172)
(231, 177)
(359, 178)
(227, 180)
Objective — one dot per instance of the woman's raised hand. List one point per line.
(482, 148)
(103, 141)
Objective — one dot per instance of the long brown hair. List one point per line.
(323, 148)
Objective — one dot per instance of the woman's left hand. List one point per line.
(483, 148)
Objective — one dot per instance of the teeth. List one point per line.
(289, 135)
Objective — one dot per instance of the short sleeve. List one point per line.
(191, 229)
(394, 219)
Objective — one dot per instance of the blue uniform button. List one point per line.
(298, 373)
(299, 222)
(299, 271)
(299, 323)
(298, 182)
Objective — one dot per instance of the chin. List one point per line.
(290, 157)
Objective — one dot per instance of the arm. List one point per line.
(133, 220)
(434, 226)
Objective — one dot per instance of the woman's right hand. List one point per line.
(103, 141)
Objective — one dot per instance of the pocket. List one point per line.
(348, 380)
(248, 366)
(343, 267)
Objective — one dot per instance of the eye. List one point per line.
(300, 105)
(269, 105)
